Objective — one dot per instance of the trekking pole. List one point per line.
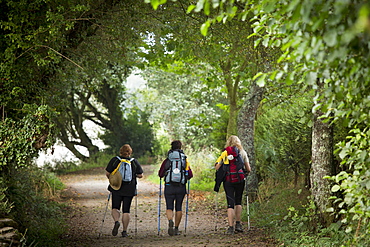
(106, 208)
(159, 205)
(246, 192)
(216, 207)
(136, 213)
(187, 206)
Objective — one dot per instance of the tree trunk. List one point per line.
(246, 119)
(232, 89)
(322, 159)
(112, 99)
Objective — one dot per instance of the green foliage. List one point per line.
(161, 145)
(283, 140)
(227, 57)
(354, 184)
(202, 165)
(31, 191)
(33, 34)
(289, 214)
(302, 228)
(21, 140)
(184, 107)
(139, 132)
(5, 205)
(274, 199)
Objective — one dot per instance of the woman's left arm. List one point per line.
(139, 169)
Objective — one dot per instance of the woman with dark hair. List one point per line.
(123, 191)
(176, 171)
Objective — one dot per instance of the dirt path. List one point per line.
(87, 196)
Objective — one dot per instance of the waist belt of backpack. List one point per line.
(177, 184)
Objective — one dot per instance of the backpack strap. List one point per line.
(119, 164)
(125, 160)
(133, 164)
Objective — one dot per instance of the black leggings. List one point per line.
(234, 193)
(117, 200)
(174, 194)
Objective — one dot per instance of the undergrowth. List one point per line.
(289, 214)
(35, 207)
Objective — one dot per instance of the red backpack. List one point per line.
(235, 173)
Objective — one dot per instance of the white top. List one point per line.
(244, 155)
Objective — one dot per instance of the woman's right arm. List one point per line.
(162, 170)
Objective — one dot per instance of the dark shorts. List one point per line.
(174, 196)
(125, 201)
(234, 193)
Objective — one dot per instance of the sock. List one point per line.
(238, 222)
(176, 227)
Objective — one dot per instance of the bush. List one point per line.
(5, 205)
(40, 218)
(289, 214)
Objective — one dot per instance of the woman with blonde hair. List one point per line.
(233, 164)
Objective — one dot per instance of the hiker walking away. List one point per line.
(176, 172)
(232, 168)
(122, 185)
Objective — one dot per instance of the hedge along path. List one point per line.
(87, 194)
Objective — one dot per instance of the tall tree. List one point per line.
(226, 49)
(246, 128)
(322, 162)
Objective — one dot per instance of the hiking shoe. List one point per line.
(124, 234)
(115, 228)
(230, 231)
(177, 232)
(170, 228)
(238, 227)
